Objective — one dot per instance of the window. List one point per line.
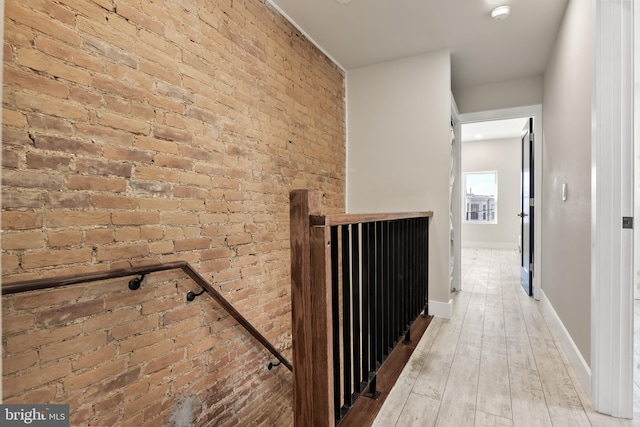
(481, 197)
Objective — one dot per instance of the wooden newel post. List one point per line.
(310, 311)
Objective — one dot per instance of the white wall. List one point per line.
(398, 147)
(505, 157)
(566, 226)
(497, 96)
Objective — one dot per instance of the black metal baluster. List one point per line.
(409, 282)
(406, 303)
(346, 316)
(426, 266)
(401, 279)
(335, 306)
(417, 285)
(366, 303)
(356, 263)
(396, 282)
(386, 292)
(423, 261)
(391, 279)
(420, 252)
(373, 309)
(414, 263)
(402, 317)
(379, 294)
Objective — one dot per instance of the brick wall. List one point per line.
(140, 132)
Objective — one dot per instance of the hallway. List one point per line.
(494, 363)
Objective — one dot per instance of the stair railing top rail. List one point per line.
(53, 282)
(348, 219)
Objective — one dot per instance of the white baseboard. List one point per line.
(441, 309)
(490, 245)
(580, 366)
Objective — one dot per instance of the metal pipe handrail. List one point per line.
(54, 282)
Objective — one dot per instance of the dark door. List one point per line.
(527, 209)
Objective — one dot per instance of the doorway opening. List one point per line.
(469, 124)
(497, 178)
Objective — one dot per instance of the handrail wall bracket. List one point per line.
(134, 284)
(192, 295)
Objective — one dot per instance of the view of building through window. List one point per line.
(481, 195)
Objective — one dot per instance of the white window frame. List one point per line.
(464, 198)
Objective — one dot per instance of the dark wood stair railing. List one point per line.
(45, 283)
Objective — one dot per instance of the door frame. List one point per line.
(527, 158)
(611, 245)
(534, 111)
(456, 194)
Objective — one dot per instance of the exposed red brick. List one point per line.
(14, 220)
(69, 313)
(11, 385)
(67, 145)
(104, 168)
(146, 132)
(57, 219)
(122, 251)
(32, 180)
(135, 218)
(127, 154)
(111, 52)
(67, 200)
(99, 236)
(139, 326)
(116, 185)
(19, 363)
(77, 346)
(112, 202)
(116, 383)
(44, 161)
(39, 21)
(175, 162)
(121, 122)
(17, 323)
(94, 375)
(22, 240)
(69, 54)
(35, 82)
(191, 244)
(64, 238)
(94, 358)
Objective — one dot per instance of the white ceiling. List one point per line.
(366, 32)
(496, 129)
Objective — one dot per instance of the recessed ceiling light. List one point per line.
(343, 1)
(501, 12)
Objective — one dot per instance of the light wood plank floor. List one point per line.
(494, 363)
